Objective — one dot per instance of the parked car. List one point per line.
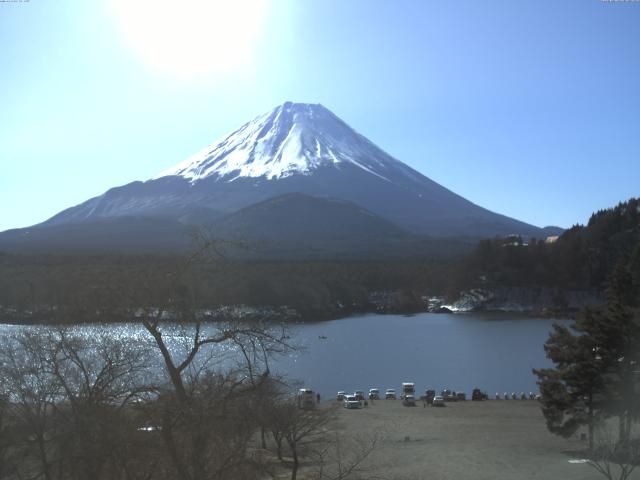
(359, 394)
(438, 401)
(374, 394)
(390, 394)
(306, 398)
(340, 396)
(428, 396)
(409, 401)
(461, 396)
(350, 401)
(448, 396)
(478, 395)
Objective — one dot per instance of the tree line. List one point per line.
(582, 258)
(80, 288)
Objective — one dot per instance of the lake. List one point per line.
(492, 351)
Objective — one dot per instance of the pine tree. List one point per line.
(619, 334)
(573, 391)
(597, 368)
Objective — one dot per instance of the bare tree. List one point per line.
(304, 431)
(202, 414)
(613, 458)
(31, 395)
(67, 404)
(204, 411)
(345, 457)
(98, 377)
(7, 462)
(277, 419)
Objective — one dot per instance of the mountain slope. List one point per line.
(301, 218)
(288, 227)
(296, 226)
(111, 235)
(296, 148)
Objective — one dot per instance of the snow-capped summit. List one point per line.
(293, 138)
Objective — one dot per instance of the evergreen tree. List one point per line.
(597, 369)
(573, 392)
(615, 333)
(619, 334)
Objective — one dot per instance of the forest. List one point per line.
(581, 258)
(84, 288)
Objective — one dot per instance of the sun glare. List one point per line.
(191, 37)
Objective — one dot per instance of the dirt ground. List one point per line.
(493, 440)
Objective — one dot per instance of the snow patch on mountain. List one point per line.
(293, 138)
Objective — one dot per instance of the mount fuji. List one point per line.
(295, 163)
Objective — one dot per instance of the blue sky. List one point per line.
(528, 108)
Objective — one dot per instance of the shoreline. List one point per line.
(287, 315)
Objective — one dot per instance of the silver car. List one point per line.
(350, 401)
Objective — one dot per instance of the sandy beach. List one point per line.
(491, 440)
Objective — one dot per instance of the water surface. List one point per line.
(494, 352)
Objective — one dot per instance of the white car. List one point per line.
(390, 394)
(438, 401)
(350, 401)
(340, 396)
(374, 394)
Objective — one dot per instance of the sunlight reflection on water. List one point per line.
(495, 352)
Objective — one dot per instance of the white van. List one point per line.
(408, 388)
(306, 398)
